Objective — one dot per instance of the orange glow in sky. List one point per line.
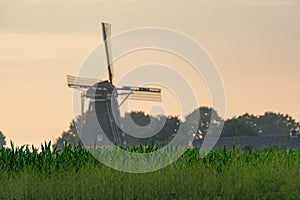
(255, 44)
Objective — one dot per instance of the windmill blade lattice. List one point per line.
(79, 82)
(106, 32)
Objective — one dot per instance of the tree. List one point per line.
(169, 130)
(139, 117)
(251, 120)
(70, 137)
(276, 124)
(2, 140)
(164, 127)
(236, 127)
(198, 122)
(208, 117)
(269, 123)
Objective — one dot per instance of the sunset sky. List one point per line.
(254, 43)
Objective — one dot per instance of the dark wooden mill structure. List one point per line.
(103, 115)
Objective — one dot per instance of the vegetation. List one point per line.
(269, 123)
(236, 127)
(72, 173)
(70, 136)
(67, 170)
(2, 140)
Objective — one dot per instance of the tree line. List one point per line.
(246, 125)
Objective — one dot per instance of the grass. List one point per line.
(72, 173)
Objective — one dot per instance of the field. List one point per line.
(72, 173)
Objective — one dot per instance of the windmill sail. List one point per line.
(106, 31)
(146, 96)
(141, 93)
(133, 92)
(78, 82)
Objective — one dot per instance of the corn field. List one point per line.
(73, 173)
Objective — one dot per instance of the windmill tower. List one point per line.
(103, 115)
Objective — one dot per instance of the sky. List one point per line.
(254, 43)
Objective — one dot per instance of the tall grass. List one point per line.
(73, 173)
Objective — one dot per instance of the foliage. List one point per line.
(68, 137)
(276, 124)
(2, 140)
(73, 173)
(236, 127)
(139, 117)
(207, 117)
(165, 127)
(269, 123)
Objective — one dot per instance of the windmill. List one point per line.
(103, 102)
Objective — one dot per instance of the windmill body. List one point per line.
(100, 119)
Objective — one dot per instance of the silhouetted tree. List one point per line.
(2, 140)
(196, 123)
(207, 117)
(164, 127)
(70, 136)
(276, 124)
(270, 123)
(139, 117)
(169, 130)
(236, 127)
(251, 120)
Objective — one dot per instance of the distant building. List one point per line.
(287, 142)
